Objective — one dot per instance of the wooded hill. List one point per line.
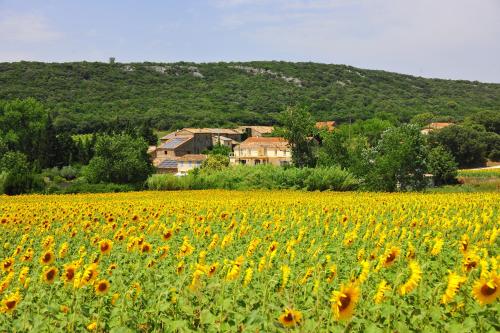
(85, 97)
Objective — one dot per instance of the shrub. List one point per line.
(259, 177)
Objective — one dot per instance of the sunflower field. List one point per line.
(259, 261)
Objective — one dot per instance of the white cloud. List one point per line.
(26, 28)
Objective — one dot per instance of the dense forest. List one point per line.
(85, 97)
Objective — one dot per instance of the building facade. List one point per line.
(262, 150)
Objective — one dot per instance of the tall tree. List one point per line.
(398, 162)
(299, 129)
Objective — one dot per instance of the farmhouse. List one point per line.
(262, 150)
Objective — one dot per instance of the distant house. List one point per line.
(189, 142)
(181, 164)
(262, 150)
(434, 126)
(328, 125)
(189, 162)
(250, 131)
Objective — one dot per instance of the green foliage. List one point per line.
(18, 183)
(298, 129)
(259, 177)
(398, 162)
(215, 162)
(219, 149)
(442, 166)
(371, 129)
(3, 178)
(423, 119)
(119, 159)
(489, 119)
(465, 144)
(333, 149)
(14, 161)
(84, 101)
(82, 187)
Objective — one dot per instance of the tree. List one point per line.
(219, 149)
(22, 123)
(333, 150)
(298, 128)
(215, 162)
(489, 119)
(119, 158)
(18, 177)
(398, 162)
(465, 144)
(372, 129)
(423, 119)
(442, 166)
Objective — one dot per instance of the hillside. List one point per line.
(84, 96)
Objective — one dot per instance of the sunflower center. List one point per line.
(46, 257)
(103, 287)
(487, 290)
(51, 274)
(345, 300)
(70, 274)
(289, 317)
(104, 247)
(11, 304)
(390, 258)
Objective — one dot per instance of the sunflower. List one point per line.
(470, 262)
(487, 289)
(28, 255)
(10, 302)
(414, 279)
(102, 287)
(390, 256)
(146, 247)
(111, 268)
(290, 318)
(50, 274)
(7, 264)
(47, 258)
(344, 301)
(167, 234)
(248, 276)
(454, 282)
(69, 272)
(180, 267)
(272, 247)
(105, 246)
(212, 269)
(464, 243)
(285, 276)
(89, 274)
(186, 248)
(382, 290)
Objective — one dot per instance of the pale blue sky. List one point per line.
(458, 39)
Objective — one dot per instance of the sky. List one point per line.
(450, 39)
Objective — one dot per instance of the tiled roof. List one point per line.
(439, 125)
(260, 129)
(329, 125)
(211, 130)
(264, 141)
